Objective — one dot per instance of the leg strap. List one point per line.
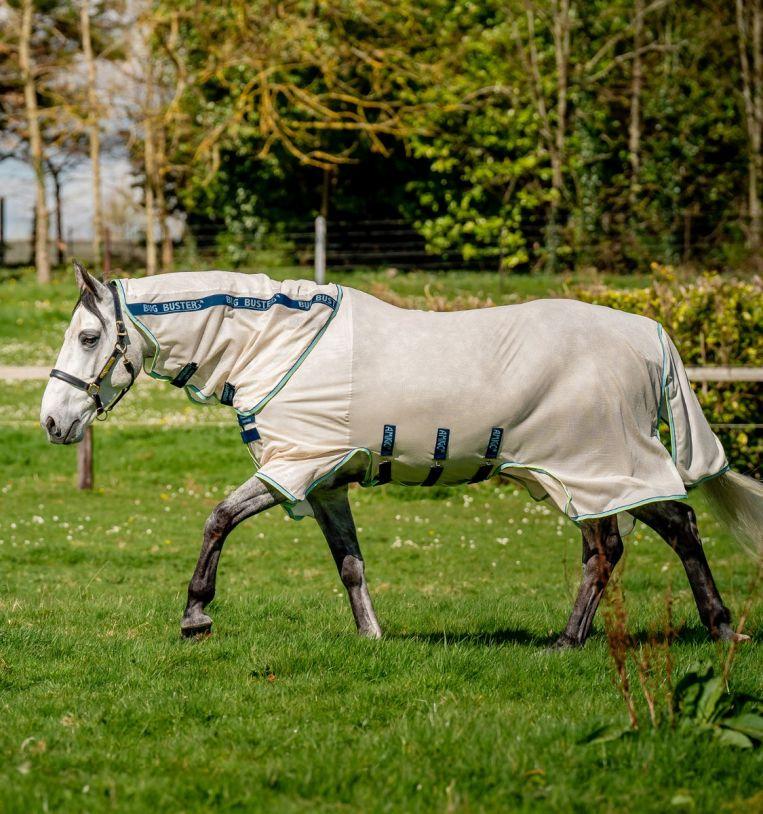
(182, 378)
(387, 447)
(433, 476)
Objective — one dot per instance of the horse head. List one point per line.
(96, 365)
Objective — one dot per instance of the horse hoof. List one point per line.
(370, 633)
(727, 634)
(196, 627)
(564, 642)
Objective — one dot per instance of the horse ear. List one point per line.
(85, 281)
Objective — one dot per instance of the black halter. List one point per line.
(93, 388)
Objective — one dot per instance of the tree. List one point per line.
(94, 132)
(749, 18)
(37, 154)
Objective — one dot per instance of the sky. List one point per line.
(17, 187)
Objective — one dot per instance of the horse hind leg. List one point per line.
(602, 549)
(676, 523)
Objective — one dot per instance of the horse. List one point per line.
(332, 387)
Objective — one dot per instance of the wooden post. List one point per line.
(85, 461)
(85, 477)
(320, 250)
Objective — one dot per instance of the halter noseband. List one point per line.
(93, 388)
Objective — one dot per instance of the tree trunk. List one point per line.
(749, 16)
(33, 241)
(41, 257)
(149, 165)
(161, 199)
(634, 127)
(55, 175)
(94, 132)
(561, 58)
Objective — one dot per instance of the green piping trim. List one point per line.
(665, 397)
(673, 450)
(663, 375)
(578, 517)
(664, 371)
(293, 369)
(699, 482)
(293, 499)
(285, 492)
(147, 333)
(197, 397)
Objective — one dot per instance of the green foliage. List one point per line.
(713, 321)
(702, 705)
(432, 112)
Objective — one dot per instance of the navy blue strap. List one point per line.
(154, 309)
(387, 448)
(494, 444)
(491, 453)
(483, 473)
(385, 473)
(433, 476)
(229, 391)
(440, 454)
(247, 436)
(182, 379)
(441, 444)
(388, 440)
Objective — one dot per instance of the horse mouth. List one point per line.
(72, 434)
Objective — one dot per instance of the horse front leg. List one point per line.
(250, 498)
(332, 511)
(602, 548)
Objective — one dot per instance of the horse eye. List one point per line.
(89, 340)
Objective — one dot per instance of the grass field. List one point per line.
(459, 708)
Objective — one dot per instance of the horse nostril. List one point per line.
(50, 426)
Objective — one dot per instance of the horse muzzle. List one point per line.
(57, 434)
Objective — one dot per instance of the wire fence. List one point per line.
(394, 243)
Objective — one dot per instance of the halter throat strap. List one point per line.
(93, 388)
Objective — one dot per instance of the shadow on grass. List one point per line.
(691, 635)
(479, 638)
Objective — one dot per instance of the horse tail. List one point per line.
(737, 501)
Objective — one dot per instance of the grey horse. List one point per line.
(97, 364)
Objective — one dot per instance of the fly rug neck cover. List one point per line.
(563, 396)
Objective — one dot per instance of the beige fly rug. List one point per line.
(563, 396)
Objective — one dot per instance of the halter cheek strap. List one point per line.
(93, 388)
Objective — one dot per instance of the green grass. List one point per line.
(458, 708)
(33, 318)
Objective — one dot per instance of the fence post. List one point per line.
(85, 476)
(85, 460)
(320, 250)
